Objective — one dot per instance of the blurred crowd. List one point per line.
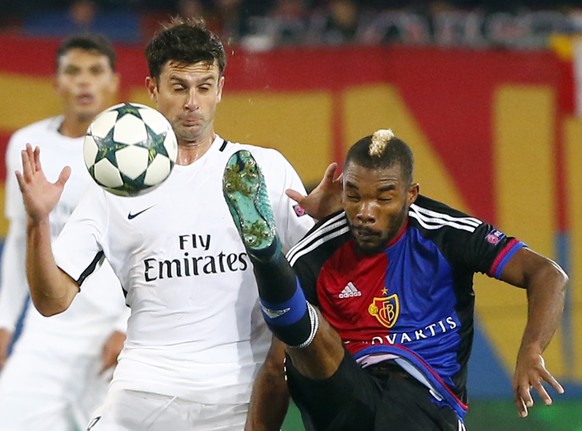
(265, 24)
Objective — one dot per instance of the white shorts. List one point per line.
(128, 410)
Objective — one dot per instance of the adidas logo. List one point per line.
(349, 291)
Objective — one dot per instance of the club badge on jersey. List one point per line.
(386, 310)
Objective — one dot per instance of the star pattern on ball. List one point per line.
(154, 143)
(127, 109)
(107, 147)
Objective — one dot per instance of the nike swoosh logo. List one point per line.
(131, 216)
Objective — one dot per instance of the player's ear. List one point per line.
(413, 192)
(152, 88)
(115, 83)
(220, 87)
(113, 86)
(55, 82)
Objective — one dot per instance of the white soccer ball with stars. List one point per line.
(130, 149)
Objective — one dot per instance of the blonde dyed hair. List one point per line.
(380, 140)
(382, 150)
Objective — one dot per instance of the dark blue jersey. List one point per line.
(414, 302)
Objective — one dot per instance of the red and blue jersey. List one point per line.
(414, 301)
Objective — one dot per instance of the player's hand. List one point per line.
(531, 373)
(40, 196)
(5, 339)
(324, 199)
(111, 350)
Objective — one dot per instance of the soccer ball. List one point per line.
(130, 149)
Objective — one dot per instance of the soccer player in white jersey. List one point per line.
(195, 337)
(54, 378)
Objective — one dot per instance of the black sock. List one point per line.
(283, 303)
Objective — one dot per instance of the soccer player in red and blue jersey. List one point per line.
(374, 307)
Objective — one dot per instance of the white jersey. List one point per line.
(195, 330)
(100, 308)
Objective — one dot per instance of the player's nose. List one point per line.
(366, 212)
(191, 103)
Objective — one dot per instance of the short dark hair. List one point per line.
(186, 41)
(390, 151)
(88, 42)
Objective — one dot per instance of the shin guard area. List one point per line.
(294, 321)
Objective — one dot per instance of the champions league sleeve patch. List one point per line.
(494, 237)
(299, 211)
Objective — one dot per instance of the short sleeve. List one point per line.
(78, 249)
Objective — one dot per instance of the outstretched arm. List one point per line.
(270, 397)
(545, 282)
(323, 200)
(51, 289)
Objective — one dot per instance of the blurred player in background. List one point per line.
(391, 275)
(195, 338)
(58, 371)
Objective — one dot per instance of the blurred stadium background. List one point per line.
(488, 94)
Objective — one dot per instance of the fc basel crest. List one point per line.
(386, 310)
